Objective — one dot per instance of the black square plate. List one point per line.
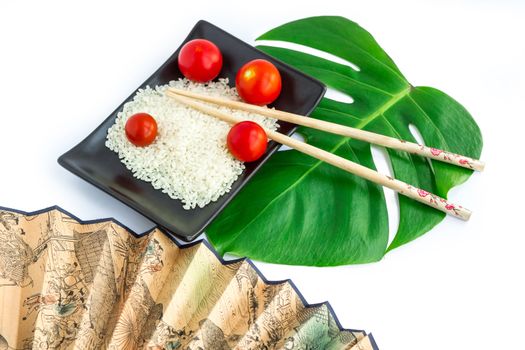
(95, 163)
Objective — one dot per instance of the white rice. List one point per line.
(189, 159)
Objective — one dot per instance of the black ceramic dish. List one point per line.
(95, 163)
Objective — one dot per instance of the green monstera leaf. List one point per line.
(298, 210)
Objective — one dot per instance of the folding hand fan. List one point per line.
(69, 284)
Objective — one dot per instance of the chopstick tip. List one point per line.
(480, 166)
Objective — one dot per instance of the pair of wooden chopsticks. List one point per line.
(189, 98)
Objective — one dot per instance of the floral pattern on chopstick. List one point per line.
(445, 156)
(438, 202)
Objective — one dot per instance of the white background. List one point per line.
(65, 67)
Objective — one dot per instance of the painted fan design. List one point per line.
(68, 284)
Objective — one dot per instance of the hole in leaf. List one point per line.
(419, 138)
(309, 50)
(384, 166)
(417, 135)
(339, 96)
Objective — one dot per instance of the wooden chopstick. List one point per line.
(342, 163)
(358, 134)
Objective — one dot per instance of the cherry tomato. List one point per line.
(247, 141)
(141, 129)
(258, 82)
(200, 60)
